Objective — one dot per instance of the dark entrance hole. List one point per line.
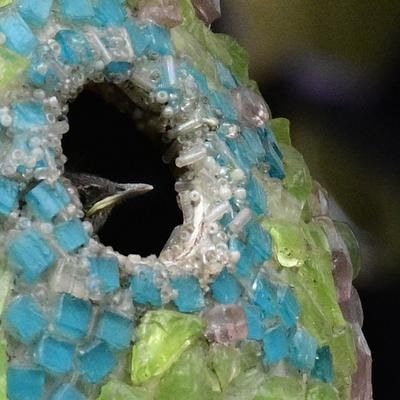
(105, 142)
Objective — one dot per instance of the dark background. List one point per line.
(332, 68)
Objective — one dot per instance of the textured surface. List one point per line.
(251, 297)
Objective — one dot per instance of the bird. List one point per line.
(99, 195)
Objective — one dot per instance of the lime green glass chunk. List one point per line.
(11, 65)
(321, 391)
(281, 388)
(298, 180)
(352, 245)
(116, 390)
(288, 242)
(226, 363)
(186, 44)
(344, 359)
(222, 47)
(190, 378)
(4, 3)
(281, 129)
(246, 386)
(163, 335)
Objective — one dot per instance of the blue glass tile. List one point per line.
(222, 102)
(248, 264)
(240, 152)
(303, 350)
(19, 36)
(9, 191)
(39, 77)
(149, 38)
(260, 241)
(97, 362)
(24, 319)
(71, 235)
(106, 271)
(117, 70)
(54, 355)
(265, 296)
(159, 40)
(109, 12)
(67, 392)
(75, 49)
(31, 254)
(116, 330)
(254, 143)
(273, 153)
(274, 143)
(28, 116)
(73, 317)
(138, 39)
(190, 296)
(45, 201)
(289, 308)
(144, 288)
(77, 11)
(323, 368)
(255, 325)
(275, 344)
(25, 383)
(226, 289)
(35, 12)
(225, 76)
(256, 196)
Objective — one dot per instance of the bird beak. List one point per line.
(124, 192)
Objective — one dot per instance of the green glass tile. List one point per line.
(298, 180)
(11, 66)
(281, 129)
(163, 336)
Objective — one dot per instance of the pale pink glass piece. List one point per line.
(162, 12)
(318, 201)
(343, 269)
(352, 308)
(208, 10)
(226, 324)
(361, 388)
(251, 106)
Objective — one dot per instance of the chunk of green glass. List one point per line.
(288, 242)
(4, 3)
(281, 388)
(222, 47)
(281, 129)
(117, 390)
(190, 377)
(226, 363)
(298, 180)
(321, 391)
(344, 360)
(163, 335)
(352, 245)
(246, 386)
(11, 65)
